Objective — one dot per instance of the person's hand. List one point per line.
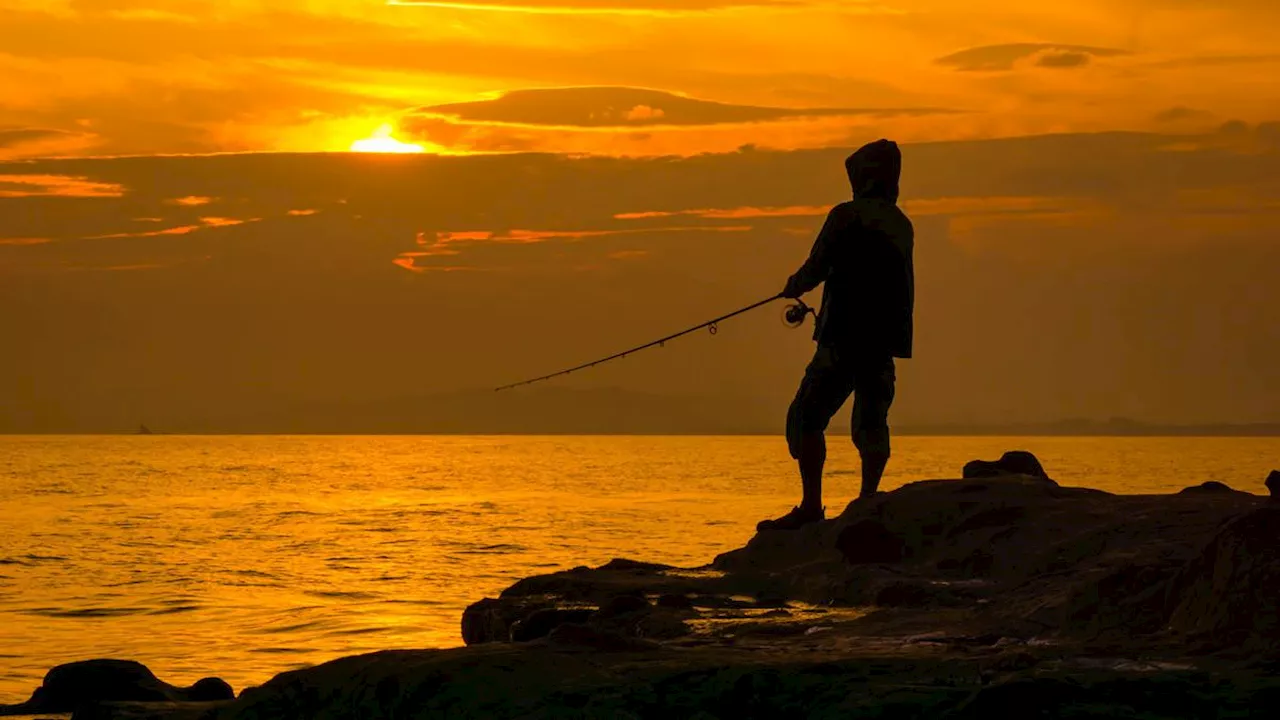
(792, 291)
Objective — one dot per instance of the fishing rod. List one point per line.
(793, 317)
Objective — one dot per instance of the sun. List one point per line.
(382, 142)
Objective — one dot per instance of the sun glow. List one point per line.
(382, 142)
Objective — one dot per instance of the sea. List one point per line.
(243, 557)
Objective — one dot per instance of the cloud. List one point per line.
(636, 121)
(652, 8)
(615, 107)
(1063, 59)
(730, 213)
(923, 207)
(191, 201)
(205, 222)
(443, 243)
(36, 185)
(16, 136)
(1180, 113)
(993, 58)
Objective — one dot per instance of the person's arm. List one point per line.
(816, 268)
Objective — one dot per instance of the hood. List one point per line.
(874, 170)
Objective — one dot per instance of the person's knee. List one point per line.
(793, 431)
(803, 430)
(872, 442)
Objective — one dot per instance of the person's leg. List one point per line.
(812, 457)
(873, 396)
(822, 391)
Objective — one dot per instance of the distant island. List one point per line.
(579, 411)
(1116, 427)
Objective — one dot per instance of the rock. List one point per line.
(633, 616)
(540, 623)
(79, 685)
(1207, 488)
(210, 689)
(594, 638)
(1014, 462)
(490, 620)
(1273, 484)
(1229, 595)
(906, 594)
(624, 564)
(149, 711)
(675, 601)
(869, 541)
(621, 605)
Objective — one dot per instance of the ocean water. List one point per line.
(243, 557)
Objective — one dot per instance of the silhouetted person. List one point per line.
(863, 254)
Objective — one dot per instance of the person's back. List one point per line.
(864, 256)
(869, 296)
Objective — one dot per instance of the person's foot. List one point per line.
(794, 520)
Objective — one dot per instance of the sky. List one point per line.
(358, 215)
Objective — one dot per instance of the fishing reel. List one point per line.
(794, 315)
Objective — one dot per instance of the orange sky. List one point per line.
(185, 240)
(165, 76)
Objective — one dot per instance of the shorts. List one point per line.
(830, 379)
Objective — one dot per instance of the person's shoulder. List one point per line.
(846, 209)
(844, 214)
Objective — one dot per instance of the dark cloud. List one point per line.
(1180, 114)
(20, 141)
(10, 137)
(1063, 59)
(626, 107)
(991, 58)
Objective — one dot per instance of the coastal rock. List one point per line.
(593, 638)
(1273, 484)
(540, 623)
(491, 619)
(675, 601)
(1212, 486)
(622, 605)
(1229, 595)
(869, 541)
(77, 686)
(1014, 462)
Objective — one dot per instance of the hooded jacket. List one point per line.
(864, 256)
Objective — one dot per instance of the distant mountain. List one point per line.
(551, 410)
(1115, 427)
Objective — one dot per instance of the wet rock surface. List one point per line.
(993, 596)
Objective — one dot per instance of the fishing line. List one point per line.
(793, 317)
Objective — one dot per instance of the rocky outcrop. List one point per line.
(1273, 484)
(1207, 488)
(1014, 462)
(1228, 596)
(81, 685)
